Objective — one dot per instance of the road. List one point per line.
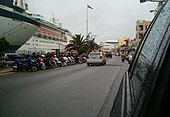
(72, 91)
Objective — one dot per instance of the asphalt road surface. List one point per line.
(72, 91)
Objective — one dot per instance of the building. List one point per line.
(125, 43)
(109, 45)
(141, 27)
(122, 41)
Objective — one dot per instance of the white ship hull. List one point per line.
(16, 32)
(40, 45)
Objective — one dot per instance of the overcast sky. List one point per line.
(109, 19)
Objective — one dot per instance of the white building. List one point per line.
(109, 45)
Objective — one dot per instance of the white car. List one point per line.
(96, 58)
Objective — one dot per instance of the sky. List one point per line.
(109, 19)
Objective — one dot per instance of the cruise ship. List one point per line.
(15, 25)
(49, 37)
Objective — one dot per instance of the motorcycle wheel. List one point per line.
(123, 60)
(54, 65)
(43, 67)
(34, 69)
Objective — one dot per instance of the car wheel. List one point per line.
(88, 64)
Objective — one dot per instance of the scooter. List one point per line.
(30, 64)
(48, 63)
(41, 63)
(80, 59)
(59, 63)
(123, 59)
(53, 62)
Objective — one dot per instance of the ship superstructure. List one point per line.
(49, 37)
(15, 24)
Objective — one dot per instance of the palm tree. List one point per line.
(92, 45)
(78, 43)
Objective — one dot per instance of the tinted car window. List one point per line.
(149, 51)
(94, 54)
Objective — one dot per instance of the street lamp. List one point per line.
(142, 1)
(153, 11)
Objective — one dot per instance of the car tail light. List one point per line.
(101, 57)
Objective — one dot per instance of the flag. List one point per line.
(88, 6)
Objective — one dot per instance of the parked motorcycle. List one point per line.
(53, 62)
(79, 59)
(64, 60)
(41, 63)
(123, 58)
(48, 62)
(59, 63)
(72, 60)
(25, 65)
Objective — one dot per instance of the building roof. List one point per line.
(113, 41)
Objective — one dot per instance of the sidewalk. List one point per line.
(6, 70)
(108, 104)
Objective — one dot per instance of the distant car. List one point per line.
(109, 54)
(96, 58)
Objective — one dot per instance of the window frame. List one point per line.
(138, 53)
(146, 98)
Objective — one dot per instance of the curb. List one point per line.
(5, 70)
(108, 104)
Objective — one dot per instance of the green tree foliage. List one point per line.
(81, 44)
(82, 50)
(4, 44)
(78, 43)
(92, 45)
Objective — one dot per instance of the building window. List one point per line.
(146, 27)
(27, 43)
(39, 35)
(45, 37)
(49, 37)
(15, 2)
(140, 27)
(140, 36)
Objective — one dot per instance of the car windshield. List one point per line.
(69, 56)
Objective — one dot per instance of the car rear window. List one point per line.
(94, 54)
